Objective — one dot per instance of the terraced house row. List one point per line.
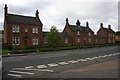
(27, 31)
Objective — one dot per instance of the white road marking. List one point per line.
(72, 61)
(118, 53)
(101, 56)
(28, 67)
(21, 72)
(41, 66)
(88, 59)
(15, 75)
(52, 65)
(115, 54)
(110, 55)
(63, 63)
(95, 57)
(47, 70)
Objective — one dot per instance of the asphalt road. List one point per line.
(48, 64)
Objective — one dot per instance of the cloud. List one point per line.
(54, 12)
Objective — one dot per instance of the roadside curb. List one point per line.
(13, 55)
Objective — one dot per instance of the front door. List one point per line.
(25, 42)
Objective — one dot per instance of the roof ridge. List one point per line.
(21, 15)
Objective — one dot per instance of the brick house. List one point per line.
(22, 30)
(80, 35)
(108, 33)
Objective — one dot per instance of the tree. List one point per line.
(53, 37)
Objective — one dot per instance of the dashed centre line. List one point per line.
(41, 66)
(53, 65)
(63, 63)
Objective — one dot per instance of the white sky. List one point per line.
(54, 12)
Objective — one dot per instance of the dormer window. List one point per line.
(15, 29)
(89, 33)
(35, 30)
(78, 33)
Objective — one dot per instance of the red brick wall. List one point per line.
(22, 34)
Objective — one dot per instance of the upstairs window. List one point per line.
(66, 40)
(16, 41)
(26, 30)
(35, 30)
(15, 29)
(35, 41)
(89, 33)
(78, 33)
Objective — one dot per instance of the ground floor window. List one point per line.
(78, 40)
(16, 41)
(89, 40)
(35, 41)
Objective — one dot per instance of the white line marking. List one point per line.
(95, 57)
(118, 53)
(28, 67)
(34, 69)
(72, 61)
(88, 59)
(110, 55)
(21, 72)
(52, 65)
(101, 56)
(15, 75)
(114, 54)
(63, 63)
(41, 66)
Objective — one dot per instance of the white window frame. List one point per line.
(14, 41)
(66, 40)
(35, 41)
(35, 30)
(89, 40)
(78, 40)
(26, 29)
(15, 29)
(96, 40)
(89, 34)
(78, 33)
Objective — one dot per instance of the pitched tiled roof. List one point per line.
(80, 28)
(20, 19)
(109, 30)
(65, 35)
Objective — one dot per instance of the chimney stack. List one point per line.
(78, 23)
(87, 24)
(101, 25)
(67, 21)
(109, 26)
(37, 14)
(5, 10)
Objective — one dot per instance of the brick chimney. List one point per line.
(37, 14)
(5, 10)
(101, 25)
(109, 26)
(87, 24)
(78, 23)
(67, 23)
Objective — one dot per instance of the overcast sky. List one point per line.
(54, 12)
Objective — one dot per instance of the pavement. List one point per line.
(107, 69)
